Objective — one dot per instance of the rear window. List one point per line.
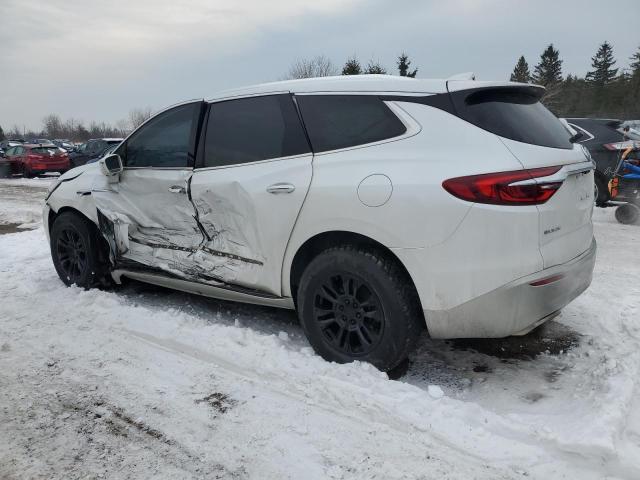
(514, 114)
(341, 121)
(45, 150)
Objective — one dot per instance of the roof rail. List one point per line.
(463, 76)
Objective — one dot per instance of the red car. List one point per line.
(32, 160)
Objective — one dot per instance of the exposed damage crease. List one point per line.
(208, 250)
(196, 217)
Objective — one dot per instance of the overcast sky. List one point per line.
(96, 60)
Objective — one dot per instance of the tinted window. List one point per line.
(512, 113)
(253, 129)
(340, 121)
(45, 150)
(164, 140)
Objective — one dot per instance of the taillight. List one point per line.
(506, 188)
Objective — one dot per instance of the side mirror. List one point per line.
(111, 165)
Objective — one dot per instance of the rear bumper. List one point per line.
(517, 307)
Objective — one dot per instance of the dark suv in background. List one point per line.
(606, 140)
(92, 150)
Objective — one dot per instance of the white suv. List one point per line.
(374, 205)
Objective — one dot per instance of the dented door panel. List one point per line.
(145, 223)
(248, 226)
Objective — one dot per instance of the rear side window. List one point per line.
(341, 121)
(253, 129)
(514, 114)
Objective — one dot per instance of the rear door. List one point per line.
(538, 139)
(252, 178)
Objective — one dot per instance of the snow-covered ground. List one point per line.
(142, 382)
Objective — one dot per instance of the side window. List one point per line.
(10, 151)
(164, 140)
(341, 121)
(253, 129)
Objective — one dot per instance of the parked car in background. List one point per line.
(351, 199)
(31, 160)
(39, 141)
(7, 144)
(606, 140)
(109, 150)
(91, 150)
(64, 143)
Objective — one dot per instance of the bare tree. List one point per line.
(318, 66)
(52, 126)
(138, 116)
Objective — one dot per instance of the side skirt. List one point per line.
(222, 293)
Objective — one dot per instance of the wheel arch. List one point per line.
(102, 241)
(324, 240)
(54, 214)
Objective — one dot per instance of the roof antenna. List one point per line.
(463, 76)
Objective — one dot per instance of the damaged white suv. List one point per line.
(376, 206)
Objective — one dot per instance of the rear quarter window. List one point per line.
(341, 121)
(512, 113)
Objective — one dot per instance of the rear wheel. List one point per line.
(75, 251)
(356, 303)
(628, 214)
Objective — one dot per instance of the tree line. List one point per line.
(606, 91)
(53, 126)
(322, 66)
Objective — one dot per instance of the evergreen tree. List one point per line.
(2, 137)
(635, 62)
(375, 68)
(548, 72)
(352, 67)
(521, 71)
(602, 63)
(403, 66)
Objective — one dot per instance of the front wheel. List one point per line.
(357, 303)
(75, 251)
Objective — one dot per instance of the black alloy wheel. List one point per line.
(349, 314)
(72, 253)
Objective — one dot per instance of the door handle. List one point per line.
(280, 188)
(177, 189)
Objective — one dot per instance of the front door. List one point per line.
(147, 216)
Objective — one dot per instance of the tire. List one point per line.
(628, 214)
(75, 251)
(27, 173)
(381, 327)
(601, 191)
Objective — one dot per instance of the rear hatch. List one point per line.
(536, 138)
(48, 154)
